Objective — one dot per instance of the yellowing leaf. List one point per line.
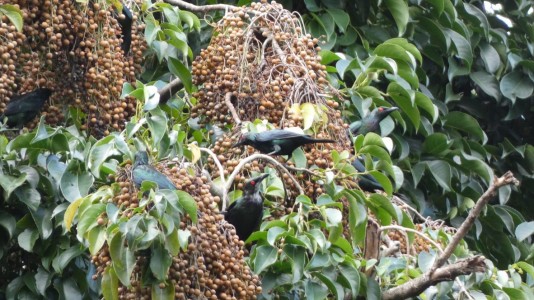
(308, 114)
(70, 213)
(195, 152)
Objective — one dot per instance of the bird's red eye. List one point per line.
(253, 182)
(380, 109)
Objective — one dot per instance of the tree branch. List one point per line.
(221, 175)
(506, 179)
(203, 9)
(253, 157)
(171, 88)
(438, 272)
(228, 102)
(448, 273)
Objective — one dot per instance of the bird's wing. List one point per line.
(276, 134)
(22, 103)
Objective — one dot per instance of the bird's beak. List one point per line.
(391, 109)
(260, 178)
(240, 143)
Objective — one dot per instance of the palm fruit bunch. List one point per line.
(74, 49)
(260, 64)
(213, 267)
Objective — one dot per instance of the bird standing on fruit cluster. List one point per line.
(278, 141)
(23, 108)
(246, 212)
(142, 171)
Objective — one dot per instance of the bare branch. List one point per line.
(169, 90)
(221, 175)
(447, 273)
(203, 8)
(228, 102)
(506, 179)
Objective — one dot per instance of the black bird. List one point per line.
(366, 181)
(371, 123)
(126, 28)
(143, 171)
(246, 212)
(22, 109)
(278, 141)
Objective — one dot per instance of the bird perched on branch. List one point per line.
(142, 171)
(246, 212)
(371, 123)
(278, 141)
(22, 109)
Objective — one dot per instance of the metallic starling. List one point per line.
(143, 171)
(278, 141)
(246, 212)
(24, 108)
(371, 123)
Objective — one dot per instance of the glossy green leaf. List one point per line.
(400, 13)
(406, 102)
(466, 123)
(14, 15)
(160, 261)
(524, 230)
(490, 57)
(315, 291)
(516, 85)
(266, 255)
(61, 261)
(110, 284)
(441, 171)
(189, 204)
(75, 185)
(436, 144)
(9, 223)
(487, 83)
(462, 45)
(180, 70)
(27, 239)
(166, 293)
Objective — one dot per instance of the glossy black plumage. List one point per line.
(23, 108)
(366, 181)
(371, 123)
(246, 212)
(126, 28)
(142, 171)
(278, 141)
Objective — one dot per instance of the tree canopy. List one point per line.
(451, 221)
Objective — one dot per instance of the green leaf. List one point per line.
(29, 196)
(515, 294)
(307, 111)
(487, 82)
(334, 287)
(439, 6)
(96, 238)
(179, 69)
(441, 171)
(123, 259)
(406, 102)
(10, 183)
(297, 256)
(13, 14)
(524, 230)
(383, 202)
(481, 19)
(189, 204)
(526, 267)
(400, 13)
(157, 123)
(341, 18)
(266, 255)
(100, 152)
(490, 57)
(183, 238)
(27, 239)
(88, 218)
(110, 284)
(70, 213)
(426, 104)
(516, 85)
(462, 45)
(61, 261)
(160, 261)
(274, 233)
(9, 223)
(42, 280)
(463, 122)
(75, 185)
(166, 293)
(351, 278)
(43, 220)
(315, 291)
(436, 144)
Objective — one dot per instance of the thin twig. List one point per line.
(221, 175)
(204, 8)
(400, 228)
(256, 156)
(228, 102)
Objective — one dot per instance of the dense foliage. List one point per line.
(460, 72)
